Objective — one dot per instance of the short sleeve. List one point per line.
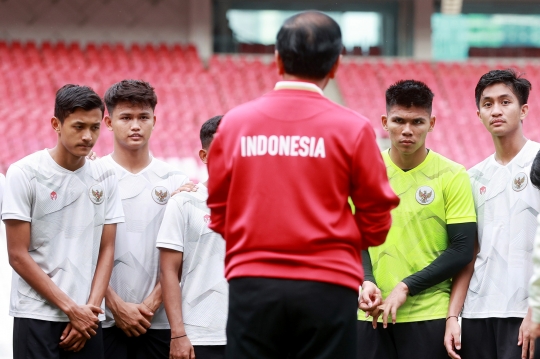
(172, 231)
(459, 202)
(114, 213)
(2, 185)
(17, 196)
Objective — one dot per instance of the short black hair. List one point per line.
(71, 97)
(208, 130)
(535, 171)
(136, 92)
(520, 86)
(309, 44)
(409, 93)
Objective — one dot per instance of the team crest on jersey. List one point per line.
(96, 194)
(425, 195)
(482, 189)
(207, 218)
(54, 196)
(161, 195)
(520, 181)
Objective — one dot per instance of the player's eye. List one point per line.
(486, 104)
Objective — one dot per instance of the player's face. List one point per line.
(132, 124)
(408, 127)
(80, 131)
(500, 111)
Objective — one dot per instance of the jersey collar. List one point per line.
(298, 85)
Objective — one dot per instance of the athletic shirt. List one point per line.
(67, 211)
(435, 193)
(2, 185)
(144, 197)
(507, 205)
(205, 290)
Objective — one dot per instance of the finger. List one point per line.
(394, 314)
(96, 309)
(385, 317)
(65, 332)
(145, 311)
(457, 339)
(377, 301)
(192, 353)
(525, 348)
(374, 323)
(450, 349)
(520, 337)
(531, 349)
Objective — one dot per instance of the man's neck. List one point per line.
(408, 161)
(65, 159)
(319, 83)
(133, 161)
(507, 147)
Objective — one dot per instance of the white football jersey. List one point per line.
(2, 185)
(67, 211)
(205, 290)
(506, 205)
(144, 197)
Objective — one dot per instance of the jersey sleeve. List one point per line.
(172, 230)
(114, 213)
(459, 202)
(371, 194)
(18, 196)
(2, 185)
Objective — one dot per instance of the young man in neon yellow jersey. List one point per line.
(430, 241)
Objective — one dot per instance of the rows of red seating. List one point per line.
(189, 93)
(458, 132)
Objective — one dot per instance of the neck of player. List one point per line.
(408, 161)
(133, 160)
(66, 159)
(507, 147)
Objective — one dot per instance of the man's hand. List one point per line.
(525, 339)
(181, 348)
(452, 337)
(84, 319)
(133, 319)
(92, 156)
(186, 187)
(370, 298)
(391, 304)
(72, 340)
(534, 329)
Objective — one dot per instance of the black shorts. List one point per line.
(154, 344)
(489, 338)
(209, 351)
(415, 340)
(290, 319)
(40, 339)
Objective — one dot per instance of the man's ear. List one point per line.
(203, 155)
(432, 121)
(279, 63)
(524, 112)
(384, 121)
(108, 122)
(334, 69)
(56, 124)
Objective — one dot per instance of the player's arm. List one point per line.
(219, 180)
(170, 242)
(371, 193)
(370, 295)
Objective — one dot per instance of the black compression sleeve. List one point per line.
(368, 268)
(458, 254)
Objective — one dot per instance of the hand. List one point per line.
(133, 319)
(525, 339)
(391, 304)
(370, 298)
(72, 340)
(84, 319)
(92, 156)
(534, 329)
(186, 187)
(181, 348)
(452, 340)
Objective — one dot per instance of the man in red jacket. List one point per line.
(280, 171)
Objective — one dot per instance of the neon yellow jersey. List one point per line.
(435, 193)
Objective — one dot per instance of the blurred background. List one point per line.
(206, 56)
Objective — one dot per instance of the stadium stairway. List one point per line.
(190, 93)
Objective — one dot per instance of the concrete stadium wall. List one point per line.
(125, 21)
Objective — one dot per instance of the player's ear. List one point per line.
(203, 155)
(524, 112)
(384, 121)
(432, 121)
(155, 120)
(56, 124)
(279, 63)
(108, 122)
(334, 69)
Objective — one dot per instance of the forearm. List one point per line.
(172, 299)
(368, 267)
(154, 300)
(460, 286)
(112, 299)
(449, 263)
(102, 274)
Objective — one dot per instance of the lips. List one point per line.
(496, 122)
(135, 136)
(406, 142)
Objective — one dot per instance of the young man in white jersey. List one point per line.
(61, 212)
(496, 317)
(198, 310)
(136, 326)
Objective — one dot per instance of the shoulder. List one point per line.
(164, 170)
(189, 199)
(102, 170)
(31, 164)
(479, 169)
(447, 164)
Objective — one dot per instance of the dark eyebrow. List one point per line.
(400, 118)
(505, 95)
